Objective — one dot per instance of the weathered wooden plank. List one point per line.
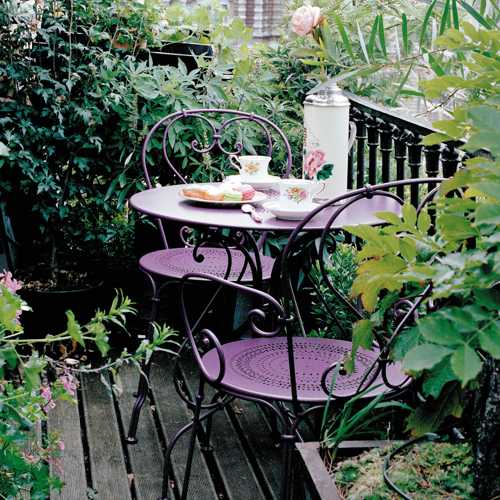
(107, 461)
(255, 429)
(238, 475)
(65, 420)
(173, 415)
(146, 457)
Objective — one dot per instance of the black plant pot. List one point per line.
(48, 315)
(170, 54)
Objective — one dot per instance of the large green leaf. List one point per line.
(466, 364)
(488, 214)
(489, 339)
(489, 298)
(429, 416)
(438, 330)
(424, 357)
(436, 378)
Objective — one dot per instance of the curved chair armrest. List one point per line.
(256, 316)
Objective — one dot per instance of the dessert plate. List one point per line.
(261, 182)
(257, 198)
(288, 213)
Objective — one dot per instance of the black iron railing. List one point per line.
(389, 147)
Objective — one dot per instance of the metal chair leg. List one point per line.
(287, 441)
(194, 426)
(143, 387)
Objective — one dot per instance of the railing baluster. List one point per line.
(400, 157)
(414, 162)
(449, 159)
(350, 173)
(372, 126)
(432, 155)
(386, 150)
(359, 119)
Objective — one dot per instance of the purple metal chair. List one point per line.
(280, 368)
(224, 256)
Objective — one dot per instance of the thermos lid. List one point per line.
(327, 94)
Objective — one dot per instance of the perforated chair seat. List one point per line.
(259, 367)
(176, 262)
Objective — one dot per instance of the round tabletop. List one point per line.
(166, 203)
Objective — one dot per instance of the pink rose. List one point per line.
(9, 282)
(313, 162)
(305, 19)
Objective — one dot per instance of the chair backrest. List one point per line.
(209, 135)
(195, 145)
(305, 265)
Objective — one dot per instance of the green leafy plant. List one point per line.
(458, 335)
(31, 383)
(357, 419)
(384, 49)
(76, 111)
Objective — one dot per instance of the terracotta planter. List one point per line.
(316, 479)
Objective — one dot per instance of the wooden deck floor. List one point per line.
(97, 464)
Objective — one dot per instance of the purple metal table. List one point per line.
(166, 203)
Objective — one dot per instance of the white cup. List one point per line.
(298, 193)
(251, 167)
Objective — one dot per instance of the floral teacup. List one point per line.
(298, 193)
(251, 166)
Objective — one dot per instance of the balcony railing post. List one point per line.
(372, 126)
(414, 162)
(449, 159)
(386, 150)
(359, 119)
(400, 157)
(432, 155)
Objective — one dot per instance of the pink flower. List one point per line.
(60, 445)
(313, 162)
(305, 19)
(69, 382)
(46, 394)
(9, 282)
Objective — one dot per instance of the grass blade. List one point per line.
(454, 12)
(402, 84)
(404, 31)
(373, 34)
(436, 67)
(476, 15)
(445, 18)
(425, 23)
(381, 36)
(343, 35)
(362, 43)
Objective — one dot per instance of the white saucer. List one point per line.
(259, 182)
(289, 213)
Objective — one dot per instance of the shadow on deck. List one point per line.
(96, 462)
